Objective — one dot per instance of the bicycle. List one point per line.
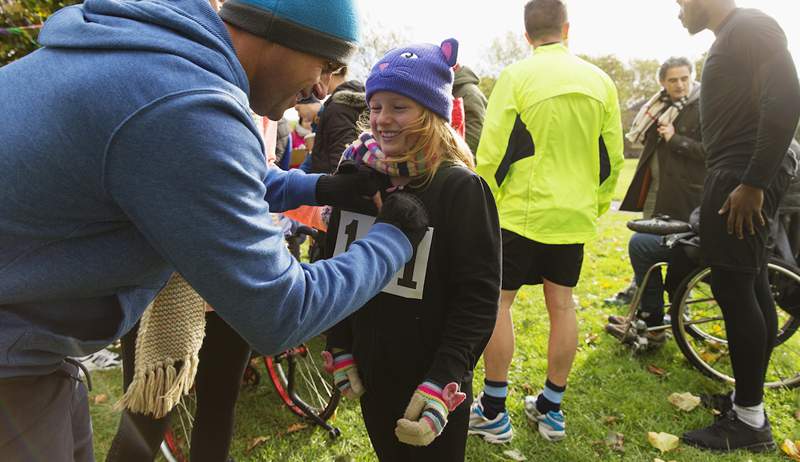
(698, 327)
(298, 376)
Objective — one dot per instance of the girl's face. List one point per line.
(390, 117)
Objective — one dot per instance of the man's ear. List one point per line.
(565, 32)
(528, 38)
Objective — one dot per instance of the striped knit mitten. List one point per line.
(345, 373)
(426, 414)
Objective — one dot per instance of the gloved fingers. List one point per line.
(415, 407)
(327, 357)
(415, 433)
(356, 387)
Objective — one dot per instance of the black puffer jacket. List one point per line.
(338, 125)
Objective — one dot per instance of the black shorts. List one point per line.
(724, 250)
(527, 262)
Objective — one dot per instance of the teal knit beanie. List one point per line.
(325, 28)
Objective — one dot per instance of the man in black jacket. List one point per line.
(749, 108)
(668, 179)
(338, 123)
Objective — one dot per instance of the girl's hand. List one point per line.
(345, 373)
(426, 414)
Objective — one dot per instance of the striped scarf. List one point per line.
(366, 150)
(661, 110)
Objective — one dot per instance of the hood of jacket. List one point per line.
(465, 75)
(350, 93)
(188, 29)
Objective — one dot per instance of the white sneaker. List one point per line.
(100, 360)
(497, 430)
(552, 425)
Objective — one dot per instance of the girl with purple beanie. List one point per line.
(409, 353)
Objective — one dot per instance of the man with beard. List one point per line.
(749, 111)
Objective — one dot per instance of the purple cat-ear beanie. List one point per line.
(420, 72)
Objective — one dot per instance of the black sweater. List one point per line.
(441, 336)
(751, 98)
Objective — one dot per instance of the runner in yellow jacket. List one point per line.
(551, 151)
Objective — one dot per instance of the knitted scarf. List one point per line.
(167, 346)
(659, 109)
(366, 150)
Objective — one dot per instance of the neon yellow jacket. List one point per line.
(551, 146)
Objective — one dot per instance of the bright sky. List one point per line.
(627, 28)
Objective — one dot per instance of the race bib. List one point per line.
(409, 282)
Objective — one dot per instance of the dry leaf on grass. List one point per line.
(655, 370)
(296, 427)
(615, 441)
(513, 454)
(791, 449)
(609, 419)
(664, 442)
(661, 460)
(684, 401)
(797, 414)
(255, 442)
(528, 389)
(591, 338)
(100, 399)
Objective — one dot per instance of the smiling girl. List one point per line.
(411, 350)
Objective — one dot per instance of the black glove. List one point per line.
(406, 212)
(351, 188)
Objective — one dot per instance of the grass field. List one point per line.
(610, 390)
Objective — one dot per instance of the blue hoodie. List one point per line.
(127, 152)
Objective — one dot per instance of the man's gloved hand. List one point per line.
(353, 188)
(345, 373)
(426, 414)
(406, 212)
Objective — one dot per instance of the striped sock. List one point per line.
(494, 398)
(550, 398)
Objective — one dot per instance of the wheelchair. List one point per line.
(695, 318)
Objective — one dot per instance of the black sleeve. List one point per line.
(776, 84)
(341, 336)
(341, 131)
(474, 281)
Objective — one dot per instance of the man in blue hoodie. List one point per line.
(128, 152)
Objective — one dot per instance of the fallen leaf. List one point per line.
(609, 419)
(528, 389)
(296, 427)
(513, 454)
(101, 398)
(797, 414)
(255, 442)
(655, 370)
(591, 338)
(684, 401)
(661, 460)
(664, 442)
(615, 441)
(791, 449)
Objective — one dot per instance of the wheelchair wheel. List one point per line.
(699, 328)
(178, 436)
(301, 381)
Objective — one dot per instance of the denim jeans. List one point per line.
(645, 250)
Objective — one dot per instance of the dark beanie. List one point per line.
(325, 28)
(422, 72)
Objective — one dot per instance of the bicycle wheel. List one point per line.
(301, 381)
(178, 437)
(699, 328)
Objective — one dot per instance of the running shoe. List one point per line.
(497, 430)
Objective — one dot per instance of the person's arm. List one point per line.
(611, 151)
(190, 174)
(686, 146)
(474, 281)
(779, 109)
(501, 113)
(474, 111)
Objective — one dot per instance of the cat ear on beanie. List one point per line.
(450, 51)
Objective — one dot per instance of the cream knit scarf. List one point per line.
(170, 336)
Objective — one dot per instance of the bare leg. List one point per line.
(563, 342)
(500, 350)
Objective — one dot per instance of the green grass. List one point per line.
(607, 381)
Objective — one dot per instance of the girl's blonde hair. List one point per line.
(439, 142)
